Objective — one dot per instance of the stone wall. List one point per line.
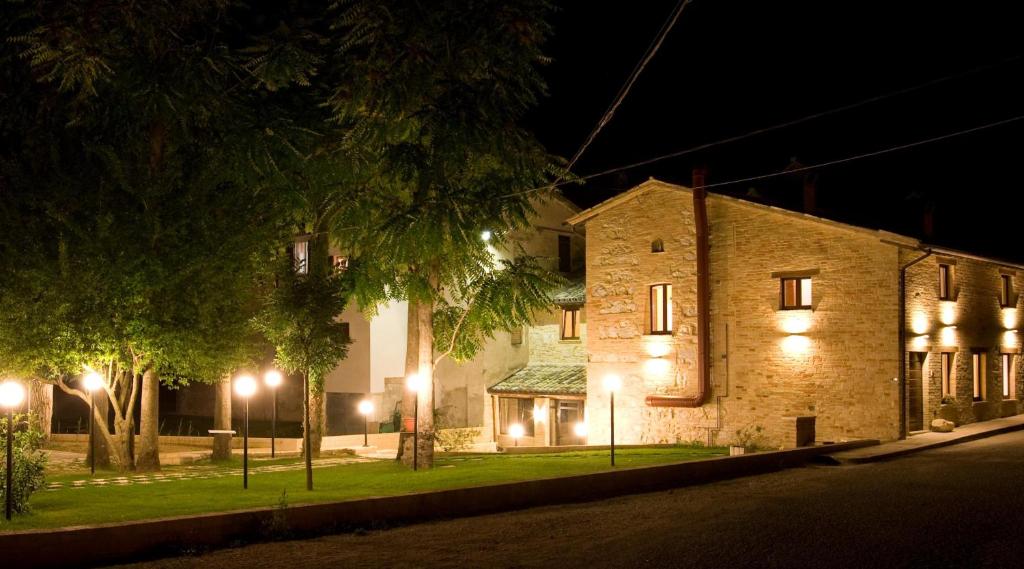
(972, 320)
(836, 361)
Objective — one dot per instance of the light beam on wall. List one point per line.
(919, 323)
(947, 312)
(795, 322)
(948, 336)
(796, 344)
(1010, 318)
(920, 342)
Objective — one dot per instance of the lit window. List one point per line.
(978, 371)
(1005, 290)
(945, 282)
(338, 262)
(661, 309)
(796, 293)
(570, 323)
(513, 411)
(300, 257)
(1009, 387)
(947, 374)
(657, 246)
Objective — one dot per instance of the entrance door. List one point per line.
(570, 412)
(915, 391)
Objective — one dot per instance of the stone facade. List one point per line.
(971, 320)
(836, 361)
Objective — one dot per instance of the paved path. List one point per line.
(196, 472)
(959, 506)
(927, 441)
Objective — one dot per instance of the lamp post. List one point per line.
(245, 386)
(415, 384)
(92, 382)
(612, 383)
(273, 379)
(11, 395)
(365, 408)
(516, 431)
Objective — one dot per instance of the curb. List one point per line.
(939, 444)
(106, 544)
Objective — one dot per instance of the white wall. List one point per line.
(388, 331)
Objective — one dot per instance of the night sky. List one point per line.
(730, 67)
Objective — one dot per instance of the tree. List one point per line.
(435, 91)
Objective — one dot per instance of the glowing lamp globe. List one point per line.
(273, 378)
(92, 381)
(414, 382)
(11, 394)
(245, 385)
(365, 407)
(516, 431)
(580, 429)
(485, 235)
(612, 382)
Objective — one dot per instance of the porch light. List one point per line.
(517, 432)
(365, 409)
(580, 429)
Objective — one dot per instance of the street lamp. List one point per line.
(245, 386)
(612, 383)
(273, 379)
(365, 408)
(516, 431)
(415, 384)
(92, 382)
(11, 395)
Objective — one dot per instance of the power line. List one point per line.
(628, 85)
(786, 124)
(868, 154)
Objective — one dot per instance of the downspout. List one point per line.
(903, 340)
(700, 218)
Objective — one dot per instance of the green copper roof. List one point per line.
(574, 293)
(545, 380)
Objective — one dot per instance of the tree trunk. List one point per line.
(101, 444)
(222, 419)
(307, 455)
(124, 444)
(412, 364)
(425, 351)
(148, 456)
(41, 406)
(317, 418)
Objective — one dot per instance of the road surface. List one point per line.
(961, 506)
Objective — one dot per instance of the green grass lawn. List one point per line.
(99, 504)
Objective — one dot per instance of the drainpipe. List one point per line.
(700, 217)
(903, 340)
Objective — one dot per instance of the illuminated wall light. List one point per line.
(658, 348)
(948, 336)
(657, 367)
(919, 323)
(1010, 338)
(796, 322)
(796, 344)
(947, 312)
(1010, 318)
(920, 342)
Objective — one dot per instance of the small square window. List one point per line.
(516, 336)
(570, 323)
(796, 293)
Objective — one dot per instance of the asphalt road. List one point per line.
(961, 506)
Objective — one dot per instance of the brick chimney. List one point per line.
(810, 192)
(698, 178)
(928, 220)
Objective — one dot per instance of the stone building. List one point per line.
(800, 336)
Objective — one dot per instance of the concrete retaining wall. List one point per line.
(112, 543)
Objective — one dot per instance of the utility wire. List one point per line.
(628, 85)
(794, 122)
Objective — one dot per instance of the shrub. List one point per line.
(449, 438)
(29, 462)
(751, 438)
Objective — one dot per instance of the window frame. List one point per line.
(1008, 364)
(665, 309)
(945, 281)
(1005, 290)
(523, 415)
(947, 377)
(800, 304)
(575, 311)
(978, 376)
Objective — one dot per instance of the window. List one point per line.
(516, 336)
(657, 246)
(948, 387)
(945, 282)
(338, 262)
(1009, 387)
(978, 371)
(515, 410)
(345, 332)
(661, 309)
(796, 293)
(300, 257)
(1005, 290)
(570, 323)
(564, 253)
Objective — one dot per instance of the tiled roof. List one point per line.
(545, 380)
(575, 292)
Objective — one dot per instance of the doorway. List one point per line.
(568, 413)
(915, 391)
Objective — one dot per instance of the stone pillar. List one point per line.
(222, 419)
(541, 426)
